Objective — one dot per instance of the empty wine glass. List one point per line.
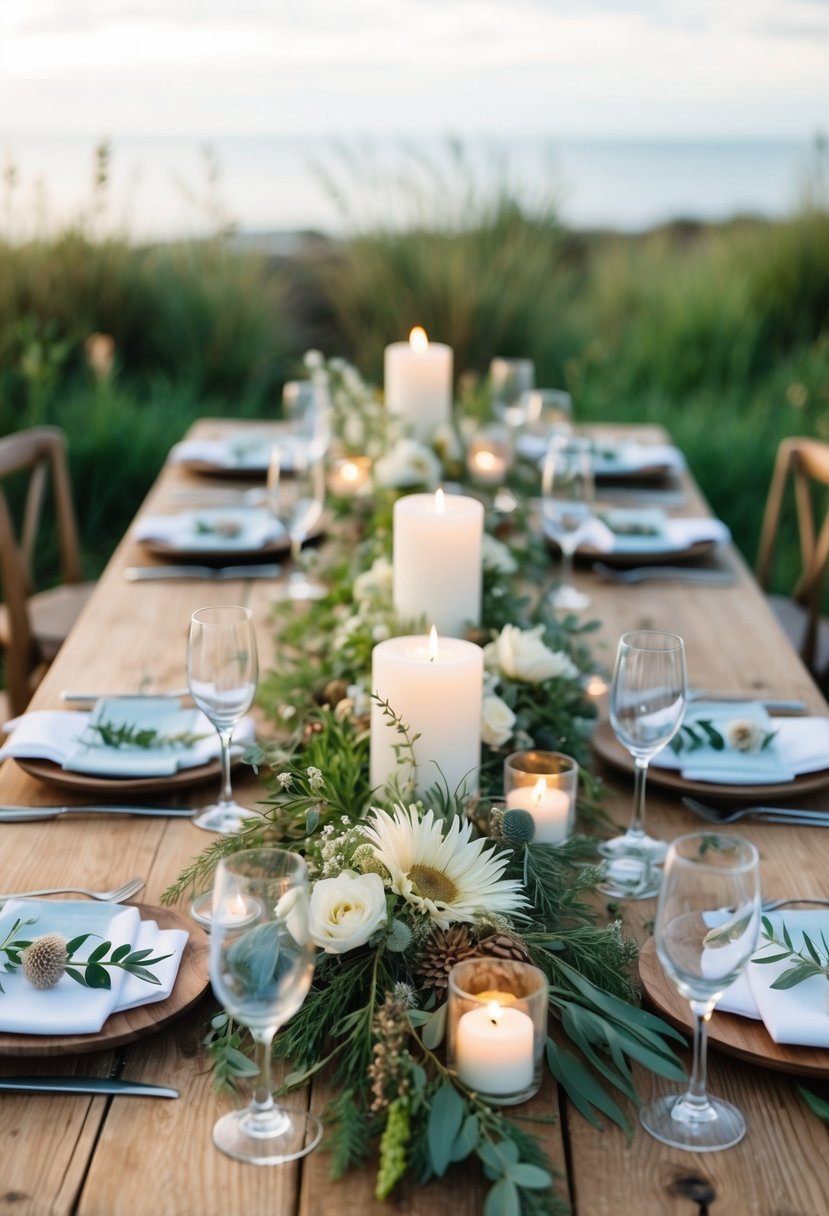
(296, 497)
(261, 966)
(647, 702)
(222, 672)
(307, 414)
(706, 873)
(567, 506)
(547, 412)
(508, 379)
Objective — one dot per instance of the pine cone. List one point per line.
(504, 945)
(441, 950)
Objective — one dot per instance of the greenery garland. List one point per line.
(374, 1017)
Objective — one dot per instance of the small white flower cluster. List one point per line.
(359, 419)
(497, 557)
(408, 463)
(337, 845)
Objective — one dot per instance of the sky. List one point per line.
(754, 69)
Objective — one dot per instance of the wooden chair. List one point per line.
(33, 625)
(806, 462)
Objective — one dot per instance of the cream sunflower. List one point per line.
(449, 877)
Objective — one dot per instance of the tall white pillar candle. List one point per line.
(418, 383)
(435, 687)
(438, 568)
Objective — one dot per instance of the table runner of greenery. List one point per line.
(375, 1015)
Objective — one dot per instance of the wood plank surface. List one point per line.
(121, 1156)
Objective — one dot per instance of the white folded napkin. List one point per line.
(800, 745)
(64, 737)
(793, 1015)
(593, 534)
(239, 451)
(211, 529)
(612, 459)
(738, 997)
(674, 535)
(69, 1007)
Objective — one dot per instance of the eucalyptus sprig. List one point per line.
(810, 961)
(43, 960)
(123, 734)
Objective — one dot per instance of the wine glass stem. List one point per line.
(640, 771)
(566, 564)
(224, 738)
(697, 1096)
(296, 549)
(263, 1103)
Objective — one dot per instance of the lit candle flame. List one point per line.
(539, 790)
(440, 502)
(434, 648)
(236, 908)
(349, 471)
(595, 686)
(418, 340)
(494, 1011)
(485, 461)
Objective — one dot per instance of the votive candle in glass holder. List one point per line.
(497, 1027)
(349, 475)
(545, 784)
(489, 456)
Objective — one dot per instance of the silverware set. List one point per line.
(141, 574)
(115, 896)
(767, 814)
(28, 814)
(679, 574)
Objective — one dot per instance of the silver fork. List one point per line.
(768, 814)
(641, 574)
(114, 896)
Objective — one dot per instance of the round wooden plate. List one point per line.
(608, 748)
(131, 788)
(227, 556)
(744, 1038)
(684, 553)
(130, 1024)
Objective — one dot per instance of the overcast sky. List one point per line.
(614, 68)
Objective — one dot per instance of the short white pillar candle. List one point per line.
(438, 567)
(495, 1049)
(435, 687)
(418, 383)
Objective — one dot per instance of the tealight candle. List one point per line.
(435, 687)
(488, 458)
(543, 783)
(497, 1027)
(349, 475)
(418, 383)
(438, 568)
(494, 1049)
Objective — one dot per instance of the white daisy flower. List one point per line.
(449, 877)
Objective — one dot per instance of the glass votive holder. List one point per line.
(508, 379)
(497, 1027)
(349, 476)
(489, 456)
(545, 784)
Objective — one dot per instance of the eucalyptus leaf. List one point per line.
(97, 976)
(435, 1029)
(796, 975)
(531, 1176)
(503, 1200)
(467, 1138)
(445, 1116)
(99, 952)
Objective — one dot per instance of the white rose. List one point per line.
(745, 735)
(346, 911)
(497, 556)
(522, 655)
(376, 582)
(409, 463)
(292, 909)
(497, 721)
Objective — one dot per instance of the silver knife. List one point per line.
(27, 814)
(72, 698)
(140, 574)
(87, 1085)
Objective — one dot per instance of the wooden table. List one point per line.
(105, 1157)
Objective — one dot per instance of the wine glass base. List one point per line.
(640, 848)
(566, 598)
(226, 818)
(722, 1126)
(295, 1134)
(631, 878)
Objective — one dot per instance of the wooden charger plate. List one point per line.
(608, 748)
(226, 556)
(130, 1024)
(683, 553)
(744, 1038)
(130, 788)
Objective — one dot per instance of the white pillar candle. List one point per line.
(435, 687)
(549, 807)
(418, 383)
(437, 560)
(494, 1050)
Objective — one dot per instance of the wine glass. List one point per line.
(567, 505)
(705, 872)
(261, 966)
(296, 497)
(222, 671)
(307, 413)
(647, 702)
(547, 411)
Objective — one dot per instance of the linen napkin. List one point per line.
(738, 997)
(664, 535)
(612, 459)
(70, 1008)
(214, 528)
(65, 738)
(241, 451)
(794, 1015)
(593, 534)
(800, 745)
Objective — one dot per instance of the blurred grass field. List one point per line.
(719, 333)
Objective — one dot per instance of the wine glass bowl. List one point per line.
(706, 930)
(567, 498)
(261, 967)
(296, 498)
(222, 674)
(647, 704)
